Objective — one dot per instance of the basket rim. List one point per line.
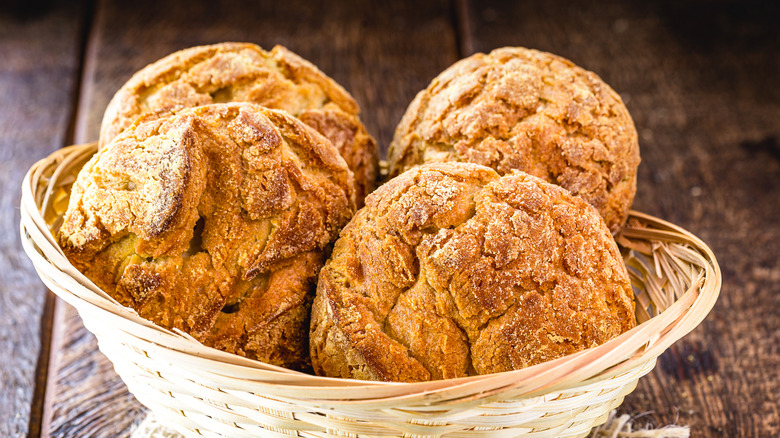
(594, 364)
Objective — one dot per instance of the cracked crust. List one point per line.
(242, 72)
(451, 270)
(523, 109)
(213, 221)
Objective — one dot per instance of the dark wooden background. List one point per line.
(699, 77)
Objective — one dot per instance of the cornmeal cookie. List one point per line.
(242, 72)
(451, 270)
(213, 221)
(517, 108)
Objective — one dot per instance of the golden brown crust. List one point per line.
(242, 72)
(523, 109)
(213, 221)
(451, 270)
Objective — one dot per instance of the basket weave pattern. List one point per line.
(204, 392)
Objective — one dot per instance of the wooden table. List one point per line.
(700, 79)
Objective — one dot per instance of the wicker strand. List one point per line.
(615, 427)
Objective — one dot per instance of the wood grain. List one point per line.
(383, 55)
(86, 397)
(700, 83)
(40, 58)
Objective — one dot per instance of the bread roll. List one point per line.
(213, 221)
(451, 270)
(516, 108)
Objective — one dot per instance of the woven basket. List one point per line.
(201, 391)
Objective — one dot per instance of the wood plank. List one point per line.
(382, 54)
(39, 68)
(700, 83)
(86, 398)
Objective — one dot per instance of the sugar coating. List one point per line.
(451, 270)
